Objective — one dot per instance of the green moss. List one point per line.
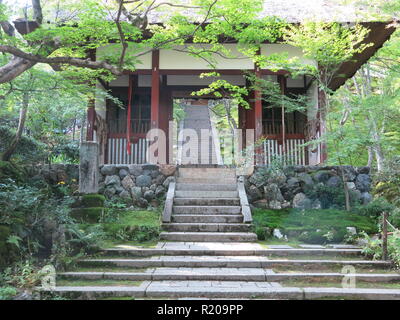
(92, 200)
(91, 215)
(135, 226)
(311, 225)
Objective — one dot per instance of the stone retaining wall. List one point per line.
(291, 187)
(144, 184)
(307, 187)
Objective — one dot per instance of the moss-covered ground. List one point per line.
(310, 226)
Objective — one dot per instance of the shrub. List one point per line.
(6, 293)
(330, 197)
(28, 149)
(387, 182)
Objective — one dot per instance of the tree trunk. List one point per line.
(21, 124)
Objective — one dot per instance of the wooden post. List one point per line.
(384, 236)
(89, 167)
(91, 118)
(155, 89)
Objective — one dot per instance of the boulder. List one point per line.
(125, 194)
(351, 185)
(277, 234)
(153, 187)
(167, 170)
(366, 198)
(275, 205)
(160, 191)
(150, 167)
(277, 177)
(334, 182)
(322, 176)
(305, 179)
(149, 195)
(300, 201)
(351, 230)
(110, 191)
(262, 204)
(143, 181)
(136, 170)
(108, 170)
(293, 183)
(127, 182)
(168, 181)
(364, 170)
(316, 204)
(123, 173)
(136, 193)
(363, 182)
(254, 193)
(273, 193)
(349, 173)
(112, 181)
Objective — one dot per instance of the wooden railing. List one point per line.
(117, 151)
(291, 152)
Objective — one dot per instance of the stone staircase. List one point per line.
(211, 254)
(202, 149)
(207, 207)
(175, 270)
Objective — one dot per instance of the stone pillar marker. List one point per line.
(89, 167)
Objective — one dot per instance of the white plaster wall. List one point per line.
(268, 49)
(172, 59)
(195, 80)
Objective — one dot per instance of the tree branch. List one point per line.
(77, 62)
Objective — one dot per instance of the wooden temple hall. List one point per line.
(164, 76)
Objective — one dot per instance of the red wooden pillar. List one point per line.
(155, 89)
(91, 119)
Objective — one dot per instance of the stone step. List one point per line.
(188, 218)
(213, 173)
(216, 274)
(206, 210)
(226, 262)
(222, 289)
(224, 274)
(207, 202)
(205, 180)
(206, 227)
(209, 236)
(210, 249)
(205, 187)
(206, 194)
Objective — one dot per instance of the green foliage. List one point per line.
(313, 226)
(23, 274)
(375, 208)
(373, 247)
(6, 293)
(28, 149)
(387, 182)
(330, 197)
